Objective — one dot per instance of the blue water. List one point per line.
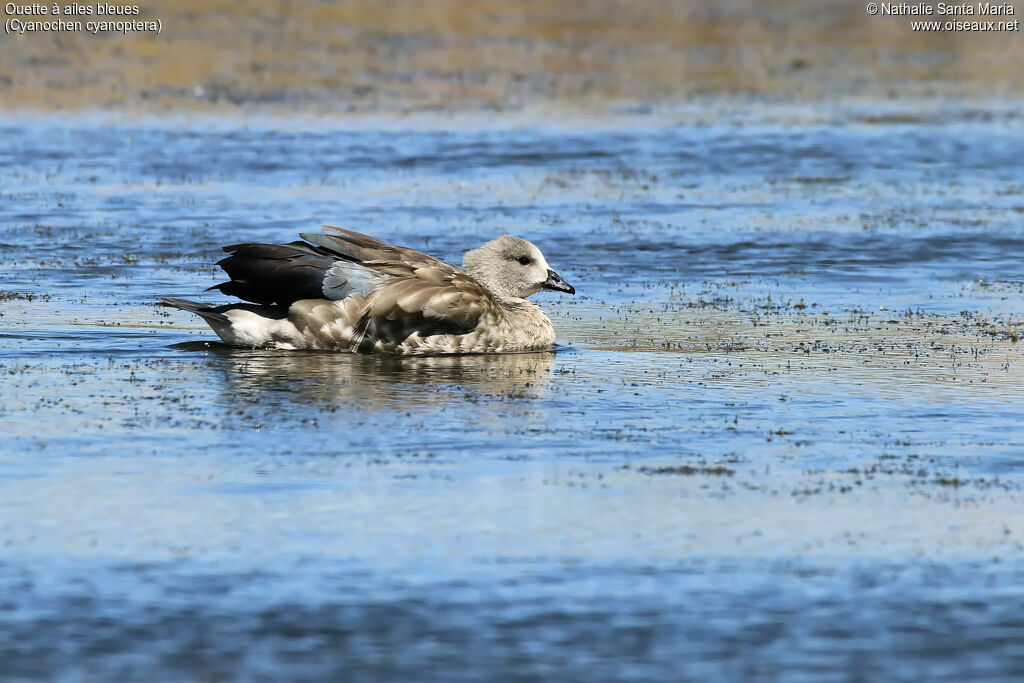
(783, 434)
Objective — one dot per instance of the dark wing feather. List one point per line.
(274, 273)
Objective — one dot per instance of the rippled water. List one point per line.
(782, 434)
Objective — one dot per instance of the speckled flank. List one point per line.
(347, 326)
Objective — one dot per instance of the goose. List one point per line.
(341, 290)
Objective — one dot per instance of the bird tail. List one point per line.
(207, 312)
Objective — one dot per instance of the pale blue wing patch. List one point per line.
(345, 278)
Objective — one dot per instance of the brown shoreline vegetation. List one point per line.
(443, 55)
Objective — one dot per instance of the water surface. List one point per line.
(782, 434)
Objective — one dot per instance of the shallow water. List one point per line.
(782, 433)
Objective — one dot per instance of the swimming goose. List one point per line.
(345, 291)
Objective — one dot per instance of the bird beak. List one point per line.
(556, 283)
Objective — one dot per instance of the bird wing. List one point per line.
(372, 253)
(389, 292)
(415, 293)
(405, 307)
(331, 266)
(274, 273)
(450, 300)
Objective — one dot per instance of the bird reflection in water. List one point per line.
(325, 379)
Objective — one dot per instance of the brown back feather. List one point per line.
(424, 294)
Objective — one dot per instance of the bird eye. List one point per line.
(525, 260)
